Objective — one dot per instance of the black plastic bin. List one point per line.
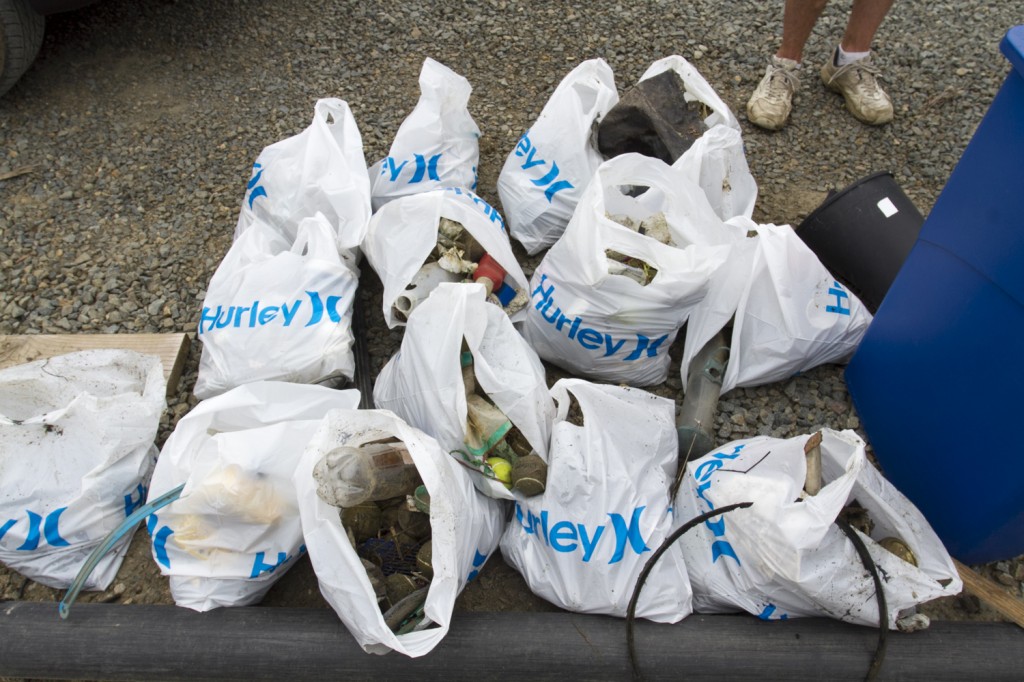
(863, 233)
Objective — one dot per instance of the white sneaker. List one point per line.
(857, 82)
(772, 100)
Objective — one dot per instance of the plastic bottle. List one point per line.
(347, 476)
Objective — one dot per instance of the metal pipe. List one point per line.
(696, 420)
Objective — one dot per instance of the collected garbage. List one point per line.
(465, 376)
(400, 507)
(235, 529)
(607, 299)
(583, 542)
(585, 123)
(279, 306)
(783, 556)
(788, 314)
(320, 170)
(545, 174)
(649, 120)
(377, 487)
(392, 568)
(715, 161)
(278, 310)
(417, 242)
(76, 452)
(437, 146)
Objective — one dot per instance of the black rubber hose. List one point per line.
(883, 611)
(364, 375)
(649, 566)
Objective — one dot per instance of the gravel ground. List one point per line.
(137, 127)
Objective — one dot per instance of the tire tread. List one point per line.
(22, 37)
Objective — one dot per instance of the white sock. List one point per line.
(843, 57)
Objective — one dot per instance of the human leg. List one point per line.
(798, 20)
(865, 18)
(857, 80)
(772, 100)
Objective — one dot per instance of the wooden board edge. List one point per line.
(991, 593)
(172, 348)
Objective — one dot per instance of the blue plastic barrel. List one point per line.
(938, 377)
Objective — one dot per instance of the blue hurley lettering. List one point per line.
(478, 561)
(259, 565)
(841, 296)
(289, 315)
(556, 187)
(424, 167)
(224, 321)
(485, 208)
(253, 188)
(259, 314)
(563, 537)
(36, 522)
(769, 610)
(567, 537)
(530, 163)
(390, 167)
(548, 179)
(160, 536)
(629, 533)
(589, 544)
(702, 475)
(543, 299)
(269, 314)
(131, 503)
(6, 527)
(644, 347)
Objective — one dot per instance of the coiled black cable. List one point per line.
(649, 566)
(858, 544)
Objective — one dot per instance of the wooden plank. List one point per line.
(133, 642)
(172, 349)
(992, 594)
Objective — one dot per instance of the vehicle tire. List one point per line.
(21, 36)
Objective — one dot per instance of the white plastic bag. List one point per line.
(276, 310)
(597, 323)
(76, 452)
(235, 529)
(320, 170)
(784, 557)
(789, 313)
(423, 382)
(465, 530)
(402, 235)
(436, 146)
(716, 161)
(583, 543)
(545, 174)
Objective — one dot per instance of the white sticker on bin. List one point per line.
(887, 208)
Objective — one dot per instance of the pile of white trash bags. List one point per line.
(636, 249)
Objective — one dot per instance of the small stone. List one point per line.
(1006, 579)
